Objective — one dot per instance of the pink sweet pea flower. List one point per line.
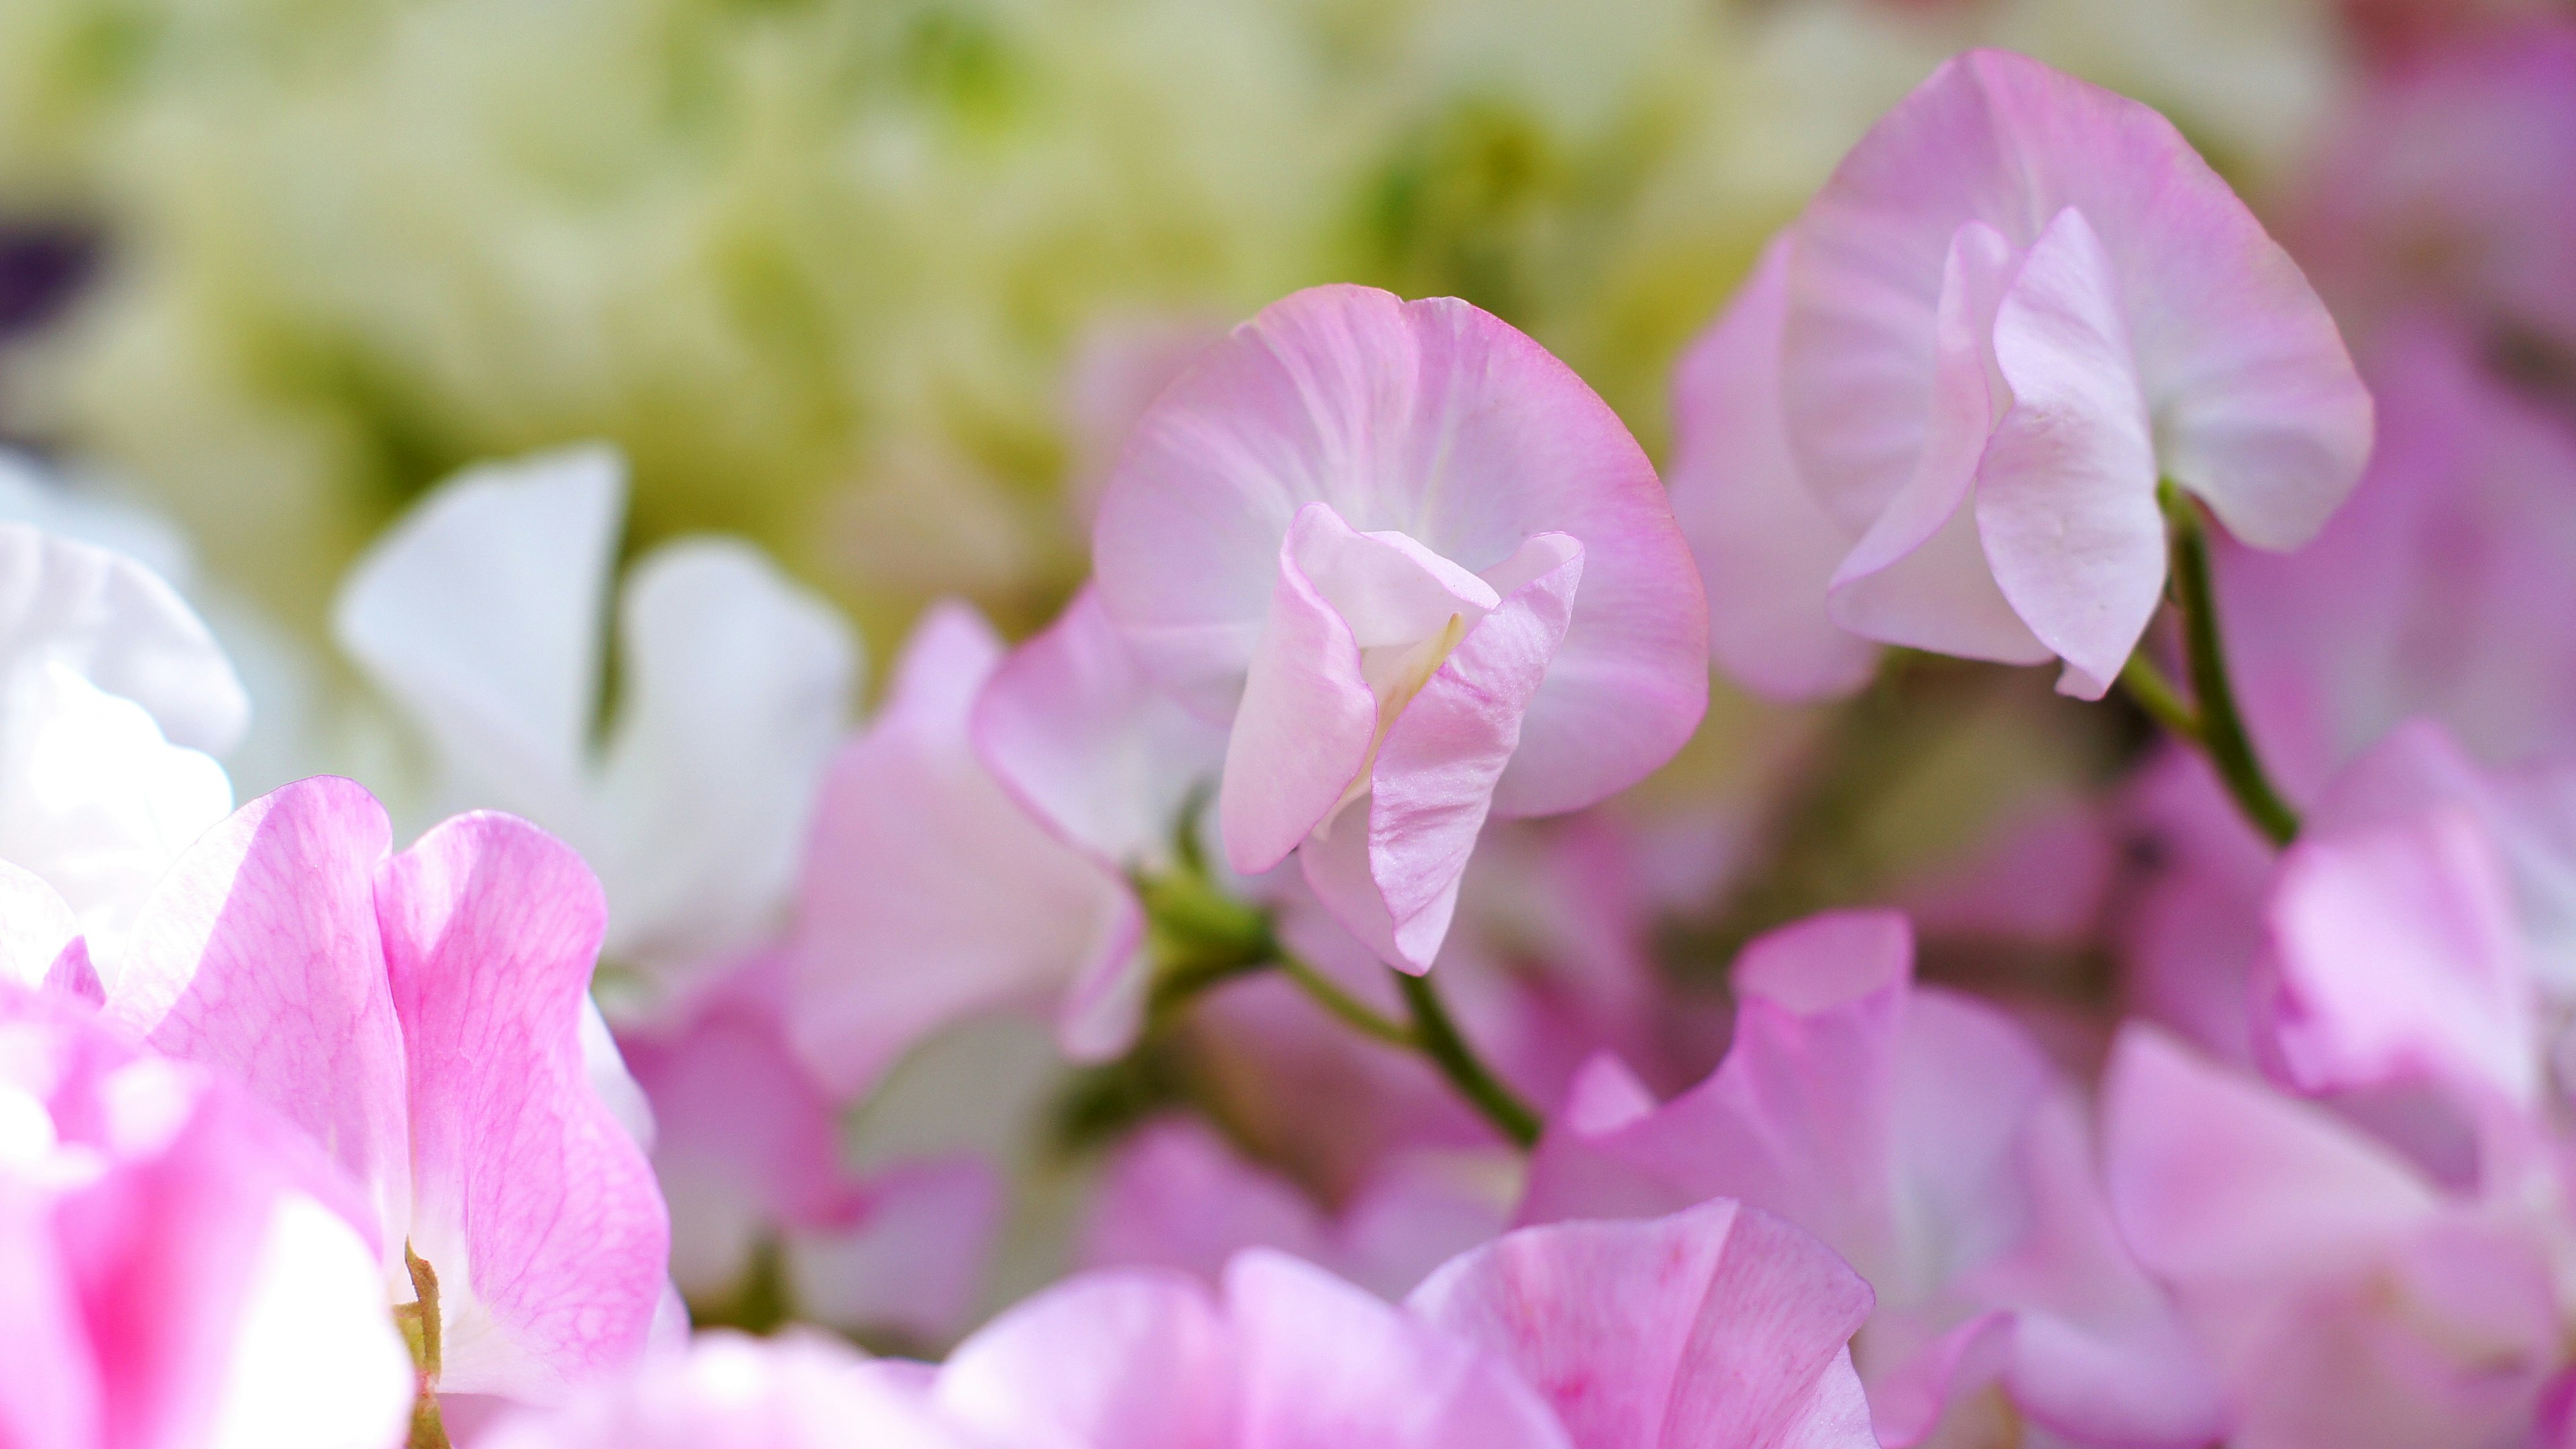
(1924, 1137)
(419, 1014)
(2019, 302)
(1423, 573)
(930, 893)
(176, 1270)
(748, 1150)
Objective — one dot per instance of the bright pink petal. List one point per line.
(1135, 1357)
(1710, 1329)
(260, 956)
(1075, 731)
(1765, 547)
(1436, 421)
(2398, 958)
(2066, 495)
(930, 895)
(1326, 1366)
(535, 1207)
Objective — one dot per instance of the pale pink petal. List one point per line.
(1765, 547)
(930, 895)
(1326, 1366)
(1436, 769)
(1075, 731)
(911, 1256)
(259, 956)
(119, 626)
(2397, 958)
(40, 940)
(727, 1391)
(2066, 495)
(535, 1207)
(1710, 1329)
(1176, 1196)
(1433, 420)
(1137, 1358)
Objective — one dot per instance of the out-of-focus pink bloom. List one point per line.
(930, 893)
(2447, 179)
(2018, 303)
(2427, 594)
(1119, 366)
(1177, 1196)
(177, 1267)
(748, 1150)
(420, 1016)
(1426, 575)
(1766, 546)
(1924, 1138)
(2190, 923)
(727, 1391)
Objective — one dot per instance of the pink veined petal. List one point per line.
(40, 939)
(1071, 726)
(1765, 547)
(2066, 497)
(535, 1207)
(2257, 408)
(2398, 957)
(1433, 784)
(1710, 1329)
(930, 895)
(1327, 1366)
(1918, 575)
(1308, 716)
(2219, 1183)
(1139, 1358)
(1433, 420)
(259, 956)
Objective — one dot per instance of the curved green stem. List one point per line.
(2213, 723)
(1349, 1009)
(1437, 1038)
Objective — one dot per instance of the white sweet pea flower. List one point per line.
(482, 615)
(114, 699)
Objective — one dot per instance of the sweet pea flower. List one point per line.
(748, 1150)
(1422, 574)
(175, 1268)
(1924, 1137)
(931, 893)
(2019, 302)
(481, 616)
(114, 699)
(728, 1391)
(420, 1016)
(2383, 1266)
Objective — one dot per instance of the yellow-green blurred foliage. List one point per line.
(823, 267)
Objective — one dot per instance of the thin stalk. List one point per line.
(2221, 728)
(2147, 686)
(1349, 1009)
(1437, 1038)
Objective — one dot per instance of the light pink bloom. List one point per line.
(1425, 575)
(2427, 594)
(748, 1149)
(1766, 547)
(1923, 1137)
(929, 893)
(420, 1015)
(2018, 303)
(1177, 1196)
(726, 1391)
(176, 1270)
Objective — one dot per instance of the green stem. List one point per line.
(1349, 1009)
(1437, 1038)
(2147, 686)
(2220, 729)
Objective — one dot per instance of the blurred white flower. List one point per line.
(482, 616)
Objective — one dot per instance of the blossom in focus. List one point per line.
(929, 893)
(175, 1268)
(2019, 303)
(2382, 1265)
(420, 1015)
(481, 614)
(114, 699)
(1924, 1137)
(1422, 573)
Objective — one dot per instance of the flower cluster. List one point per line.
(603, 1072)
